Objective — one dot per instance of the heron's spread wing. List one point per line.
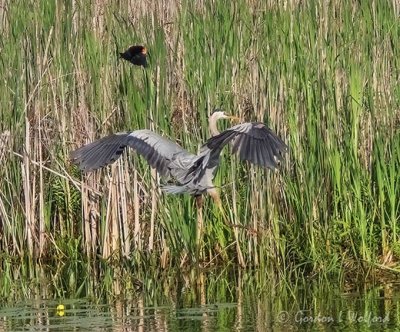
(164, 155)
(254, 142)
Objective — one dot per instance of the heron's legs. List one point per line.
(217, 199)
(200, 225)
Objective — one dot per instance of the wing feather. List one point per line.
(267, 156)
(244, 152)
(167, 157)
(252, 141)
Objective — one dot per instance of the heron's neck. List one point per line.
(213, 127)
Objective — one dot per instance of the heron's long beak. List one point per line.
(233, 118)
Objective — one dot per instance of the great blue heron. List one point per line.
(136, 54)
(193, 174)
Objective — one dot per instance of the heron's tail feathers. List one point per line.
(172, 189)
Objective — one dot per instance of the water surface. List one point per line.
(314, 308)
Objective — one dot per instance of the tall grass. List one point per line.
(323, 75)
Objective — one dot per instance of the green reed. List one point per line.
(322, 75)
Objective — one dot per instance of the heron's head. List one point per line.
(219, 114)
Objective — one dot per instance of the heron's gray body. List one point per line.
(193, 174)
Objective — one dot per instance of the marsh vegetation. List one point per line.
(324, 75)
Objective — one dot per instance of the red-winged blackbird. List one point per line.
(136, 54)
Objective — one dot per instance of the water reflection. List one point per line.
(215, 307)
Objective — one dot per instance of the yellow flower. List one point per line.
(60, 310)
